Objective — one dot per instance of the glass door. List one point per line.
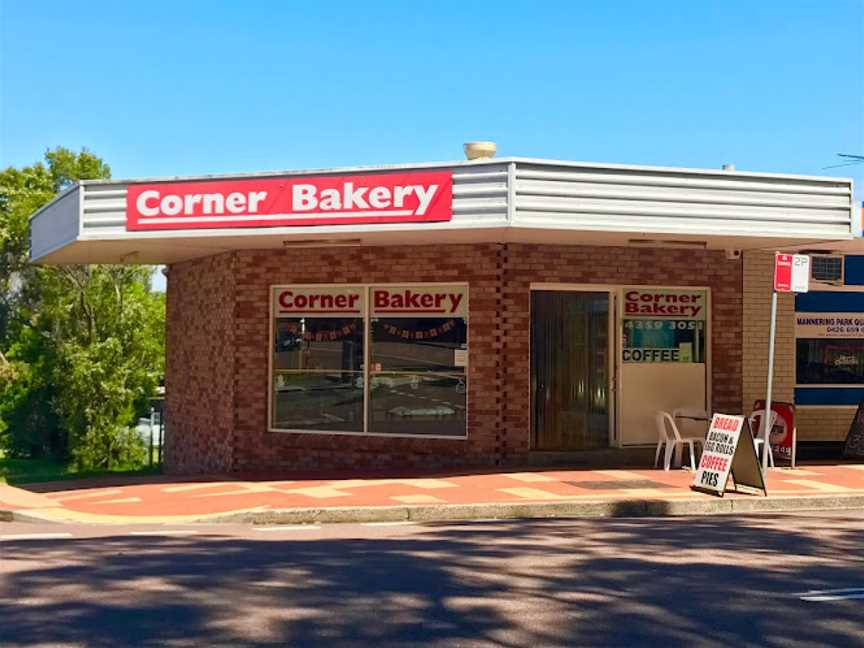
(570, 370)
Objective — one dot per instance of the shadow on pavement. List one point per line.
(511, 583)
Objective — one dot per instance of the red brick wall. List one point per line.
(220, 422)
(199, 380)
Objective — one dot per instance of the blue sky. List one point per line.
(164, 88)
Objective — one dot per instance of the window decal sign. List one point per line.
(664, 325)
(312, 301)
(291, 201)
(419, 301)
(656, 303)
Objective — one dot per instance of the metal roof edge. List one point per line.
(472, 163)
(55, 199)
(682, 170)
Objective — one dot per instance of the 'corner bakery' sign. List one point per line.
(658, 303)
(419, 301)
(315, 301)
(291, 201)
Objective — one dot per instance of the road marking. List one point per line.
(386, 524)
(174, 532)
(68, 497)
(290, 527)
(34, 536)
(845, 594)
(124, 500)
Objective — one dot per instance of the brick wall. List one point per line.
(813, 423)
(218, 343)
(199, 380)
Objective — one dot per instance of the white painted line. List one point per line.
(386, 524)
(835, 597)
(844, 594)
(173, 532)
(290, 527)
(68, 497)
(35, 536)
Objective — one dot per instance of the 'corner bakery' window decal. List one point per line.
(664, 325)
(419, 301)
(289, 201)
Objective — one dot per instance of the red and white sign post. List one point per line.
(791, 274)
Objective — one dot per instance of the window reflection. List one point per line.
(417, 376)
(317, 374)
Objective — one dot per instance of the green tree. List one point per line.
(84, 345)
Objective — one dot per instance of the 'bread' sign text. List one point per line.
(291, 201)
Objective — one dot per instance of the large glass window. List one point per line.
(664, 325)
(417, 382)
(318, 342)
(830, 362)
(414, 382)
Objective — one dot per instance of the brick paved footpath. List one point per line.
(171, 499)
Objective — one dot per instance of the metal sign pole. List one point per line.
(767, 416)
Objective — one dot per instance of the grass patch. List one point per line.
(31, 471)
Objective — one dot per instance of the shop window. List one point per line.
(664, 325)
(830, 361)
(414, 337)
(318, 351)
(418, 383)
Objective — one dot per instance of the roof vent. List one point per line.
(480, 150)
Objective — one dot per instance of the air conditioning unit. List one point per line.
(827, 269)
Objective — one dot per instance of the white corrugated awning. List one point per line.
(497, 200)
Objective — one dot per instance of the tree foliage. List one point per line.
(83, 346)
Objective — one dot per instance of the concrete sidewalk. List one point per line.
(465, 495)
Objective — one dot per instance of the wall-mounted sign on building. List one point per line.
(829, 325)
(410, 197)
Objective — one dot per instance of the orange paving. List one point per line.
(166, 497)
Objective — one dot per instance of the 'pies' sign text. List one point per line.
(291, 201)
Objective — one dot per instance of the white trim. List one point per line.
(274, 217)
(366, 316)
(643, 168)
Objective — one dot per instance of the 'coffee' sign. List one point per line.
(419, 301)
(291, 201)
(656, 303)
(313, 301)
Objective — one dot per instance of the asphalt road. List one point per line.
(715, 581)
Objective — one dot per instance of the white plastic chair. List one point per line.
(668, 435)
(755, 420)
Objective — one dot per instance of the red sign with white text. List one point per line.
(291, 201)
(791, 272)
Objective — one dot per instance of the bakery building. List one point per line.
(479, 312)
